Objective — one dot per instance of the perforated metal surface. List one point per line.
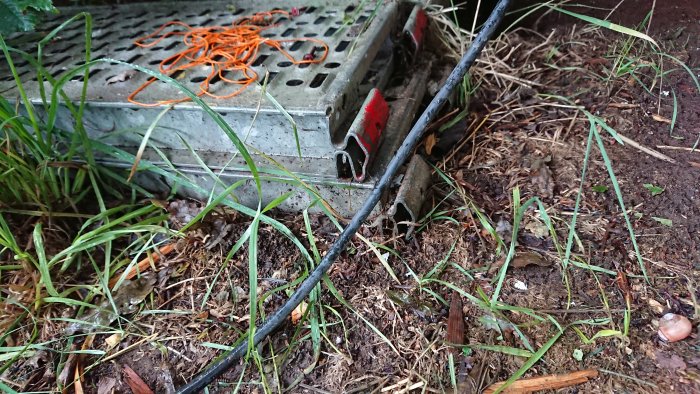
(321, 98)
(324, 89)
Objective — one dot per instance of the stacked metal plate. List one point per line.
(349, 111)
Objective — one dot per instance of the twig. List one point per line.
(313, 389)
(623, 105)
(548, 382)
(143, 264)
(567, 311)
(677, 148)
(632, 378)
(648, 151)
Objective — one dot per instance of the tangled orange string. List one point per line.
(223, 49)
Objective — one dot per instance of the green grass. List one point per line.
(638, 57)
(55, 177)
(52, 173)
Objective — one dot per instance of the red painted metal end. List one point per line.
(362, 140)
(415, 28)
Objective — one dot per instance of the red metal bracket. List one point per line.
(414, 29)
(361, 142)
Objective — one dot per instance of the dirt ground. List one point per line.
(525, 142)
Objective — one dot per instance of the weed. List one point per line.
(52, 170)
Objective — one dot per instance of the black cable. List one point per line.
(404, 151)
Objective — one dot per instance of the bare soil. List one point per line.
(538, 148)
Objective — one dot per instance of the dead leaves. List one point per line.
(455, 321)
(74, 367)
(137, 385)
(430, 142)
(669, 361)
(106, 385)
(548, 382)
(299, 312)
(524, 259)
(126, 299)
(121, 77)
(542, 177)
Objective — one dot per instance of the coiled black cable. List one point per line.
(404, 151)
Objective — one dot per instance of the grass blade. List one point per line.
(43, 264)
(607, 25)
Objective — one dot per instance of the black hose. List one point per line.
(404, 151)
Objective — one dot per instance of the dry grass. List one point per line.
(514, 125)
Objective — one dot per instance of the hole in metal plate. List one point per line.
(110, 24)
(198, 79)
(100, 47)
(56, 72)
(260, 60)
(57, 61)
(288, 32)
(284, 64)
(176, 74)
(332, 65)
(310, 35)
(138, 34)
(330, 32)
(216, 78)
(92, 74)
(78, 34)
(134, 58)
(296, 46)
(320, 20)
(294, 82)
(206, 22)
(136, 24)
(342, 46)
(318, 80)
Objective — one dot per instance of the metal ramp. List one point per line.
(342, 140)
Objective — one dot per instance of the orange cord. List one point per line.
(223, 50)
